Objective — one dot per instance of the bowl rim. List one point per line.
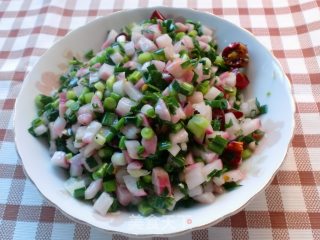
(170, 234)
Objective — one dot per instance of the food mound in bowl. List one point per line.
(154, 121)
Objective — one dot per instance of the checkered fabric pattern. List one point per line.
(288, 209)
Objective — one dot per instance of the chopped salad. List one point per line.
(154, 121)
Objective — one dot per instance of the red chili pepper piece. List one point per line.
(232, 154)
(236, 113)
(242, 80)
(157, 15)
(236, 55)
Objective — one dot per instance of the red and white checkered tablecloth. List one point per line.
(288, 209)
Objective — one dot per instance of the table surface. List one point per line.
(288, 209)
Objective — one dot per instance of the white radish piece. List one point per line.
(89, 149)
(93, 77)
(73, 183)
(130, 131)
(134, 169)
(164, 41)
(58, 126)
(121, 172)
(59, 159)
(195, 191)
(175, 68)
(206, 198)
(70, 145)
(103, 203)
(208, 156)
(174, 149)
(150, 145)
(41, 129)
(85, 118)
(162, 110)
(131, 184)
(116, 58)
(96, 104)
(179, 114)
(189, 159)
(129, 48)
(160, 180)
(132, 148)
(62, 103)
(228, 78)
(146, 45)
(110, 39)
(215, 165)
(118, 87)
(118, 159)
(132, 92)
(123, 195)
(93, 189)
(124, 106)
(235, 128)
(180, 137)
(159, 65)
(184, 146)
(213, 93)
(233, 175)
(194, 176)
(187, 41)
(105, 71)
(250, 125)
(204, 110)
(197, 97)
(92, 129)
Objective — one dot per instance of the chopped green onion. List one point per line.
(101, 172)
(204, 87)
(140, 150)
(246, 154)
(100, 139)
(115, 96)
(134, 77)
(109, 103)
(177, 127)
(122, 144)
(179, 36)
(219, 61)
(88, 55)
(109, 119)
(159, 55)
(144, 208)
(216, 125)
(79, 193)
(110, 81)
(74, 106)
(164, 145)
(193, 33)
(220, 104)
(147, 133)
(151, 113)
(198, 125)
(71, 94)
(183, 88)
(119, 124)
(109, 186)
(99, 86)
(105, 152)
(230, 185)
(144, 57)
(88, 96)
(217, 144)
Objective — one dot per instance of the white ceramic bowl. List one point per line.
(268, 83)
